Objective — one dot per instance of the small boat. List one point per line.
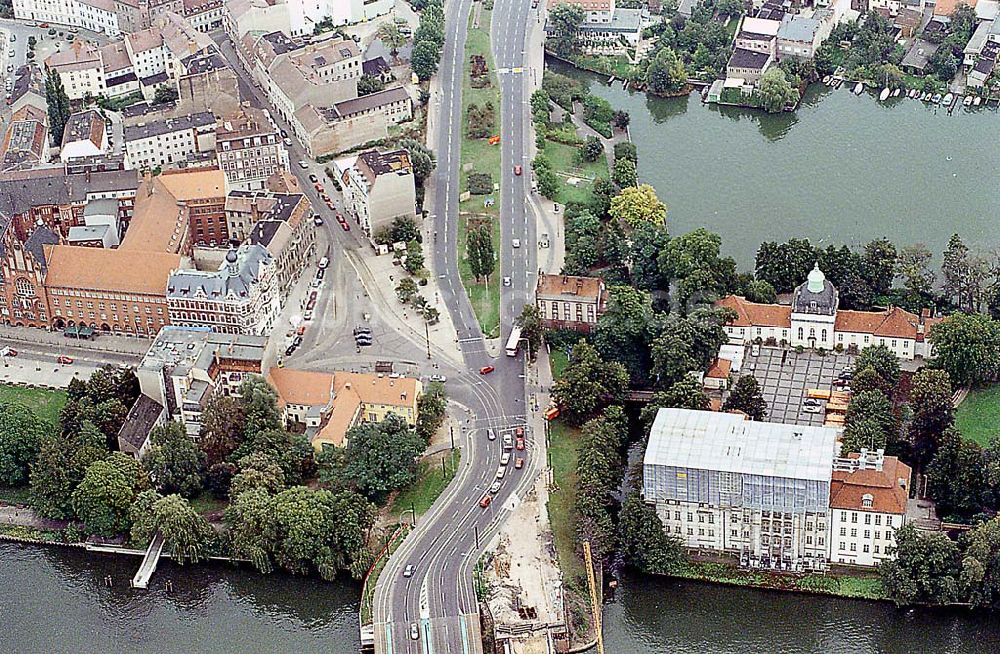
(967, 101)
(896, 93)
(858, 88)
(925, 97)
(947, 100)
(912, 94)
(826, 80)
(936, 99)
(884, 95)
(976, 102)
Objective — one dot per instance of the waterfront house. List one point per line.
(918, 56)
(814, 320)
(570, 302)
(748, 65)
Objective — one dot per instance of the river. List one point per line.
(841, 169)
(54, 601)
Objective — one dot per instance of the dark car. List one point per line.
(313, 178)
(290, 350)
(297, 342)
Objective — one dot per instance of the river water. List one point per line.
(840, 169)
(54, 601)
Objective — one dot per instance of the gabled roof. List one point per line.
(35, 244)
(117, 271)
(891, 323)
(888, 495)
(751, 314)
(301, 387)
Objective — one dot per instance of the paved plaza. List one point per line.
(784, 376)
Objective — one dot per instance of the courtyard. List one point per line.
(785, 375)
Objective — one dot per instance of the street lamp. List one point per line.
(413, 513)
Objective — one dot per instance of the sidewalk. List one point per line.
(25, 517)
(129, 345)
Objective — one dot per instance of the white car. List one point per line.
(439, 378)
(304, 165)
(414, 632)
(506, 281)
(287, 142)
(516, 242)
(408, 570)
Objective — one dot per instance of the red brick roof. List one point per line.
(719, 369)
(891, 323)
(847, 489)
(751, 314)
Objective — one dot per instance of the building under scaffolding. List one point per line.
(761, 490)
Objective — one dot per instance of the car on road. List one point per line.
(319, 187)
(308, 315)
(516, 243)
(496, 486)
(501, 471)
(363, 330)
(485, 502)
(331, 206)
(485, 370)
(321, 273)
(439, 378)
(518, 170)
(322, 195)
(507, 442)
(65, 360)
(491, 435)
(287, 142)
(519, 443)
(519, 430)
(284, 134)
(323, 262)
(10, 68)
(408, 570)
(518, 463)
(301, 330)
(344, 225)
(363, 341)
(297, 341)
(414, 632)
(303, 164)
(52, 30)
(506, 281)
(316, 283)
(290, 350)
(317, 221)
(313, 178)
(8, 352)
(505, 458)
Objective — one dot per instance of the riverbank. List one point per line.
(864, 585)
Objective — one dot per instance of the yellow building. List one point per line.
(329, 404)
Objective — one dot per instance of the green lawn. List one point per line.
(42, 402)
(483, 157)
(430, 483)
(565, 163)
(207, 503)
(564, 442)
(978, 417)
(558, 362)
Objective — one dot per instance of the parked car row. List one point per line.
(363, 336)
(512, 443)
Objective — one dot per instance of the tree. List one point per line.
(622, 331)
(260, 406)
(406, 290)
(956, 479)
(565, 20)
(257, 471)
(588, 384)
(621, 120)
(665, 74)
(424, 59)
(624, 174)
(933, 411)
(530, 322)
(926, 569)
(866, 379)
(592, 149)
(186, 535)
(414, 257)
(248, 518)
(482, 259)
(599, 469)
(955, 269)
(981, 564)
(775, 91)
(626, 150)
(869, 423)
(389, 34)
(58, 105)
(423, 162)
(648, 240)
(645, 545)
(382, 457)
(174, 462)
(368, 84)
(879, 265)
(913, 266)
(882, 360)
(967, 347)
(761, 292)
(431, 407)
(746, 397)
(636, 204)
(165, 94)
(292, 452)
(106, 492)
(693, 260)
(785, 265)
(686, 393)
(21, 434)
(943, 63)
(219, 479)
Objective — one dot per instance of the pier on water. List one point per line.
(149, 562)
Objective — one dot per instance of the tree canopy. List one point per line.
(588, 384)
(637, 204)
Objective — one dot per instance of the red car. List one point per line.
(344, 224)
(326, 198)
(519, 432)
(519, 443)
(319, 187)
(485, 370)
(519, 463)
(485, 502)
(518, 170)
(65, 360)
(329, 205)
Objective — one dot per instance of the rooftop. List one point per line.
(184, 348)
(370, 101)
(886, 484)
(301, 387)
(728, 442)
(560, 285)
(235, 279)
(750, 59)
(117, 271)
(160, 218)
(762, 26)
(84, 126)
(796, 28)
(375, 67)
(141, 419)
(919, 54)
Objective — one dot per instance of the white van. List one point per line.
(324, 262)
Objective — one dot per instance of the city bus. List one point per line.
(514, 341)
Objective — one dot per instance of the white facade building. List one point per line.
(758, 490)
(171, 141)
(93, 15)
(249, 149)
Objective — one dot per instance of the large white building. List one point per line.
(379, 188)
(814, 320)
(170, 141)
(758, 490)
(774, 495)
(298, 17)
(93, 15)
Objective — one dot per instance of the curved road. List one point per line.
(439, 598)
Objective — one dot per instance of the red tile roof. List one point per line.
(719, 369)
(751, 314)
(847, 489)
(891, 323)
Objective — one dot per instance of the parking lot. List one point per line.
(784, 376)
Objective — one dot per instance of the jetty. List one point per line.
(149, 562)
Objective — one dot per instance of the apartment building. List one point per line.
(378, 188)
(80, 68)
(570, 302)
(85, 135)
(238, 298)
(298, 17)
(249, 149)
(26, 139)
(171, 142)
(204, 15)
(283, 224)
(758, 490)
(94, 15)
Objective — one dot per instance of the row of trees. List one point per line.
(428, 40)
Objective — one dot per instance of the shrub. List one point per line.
(480, 183)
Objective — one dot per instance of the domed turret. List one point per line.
(816, 296)
(815, 280)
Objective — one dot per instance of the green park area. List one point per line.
(433, 476)
(43, 402)
(478, 175)
(978, 417)
(576, 177)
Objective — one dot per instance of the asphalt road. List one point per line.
(440, 597)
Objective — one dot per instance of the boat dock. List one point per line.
(149, 562)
